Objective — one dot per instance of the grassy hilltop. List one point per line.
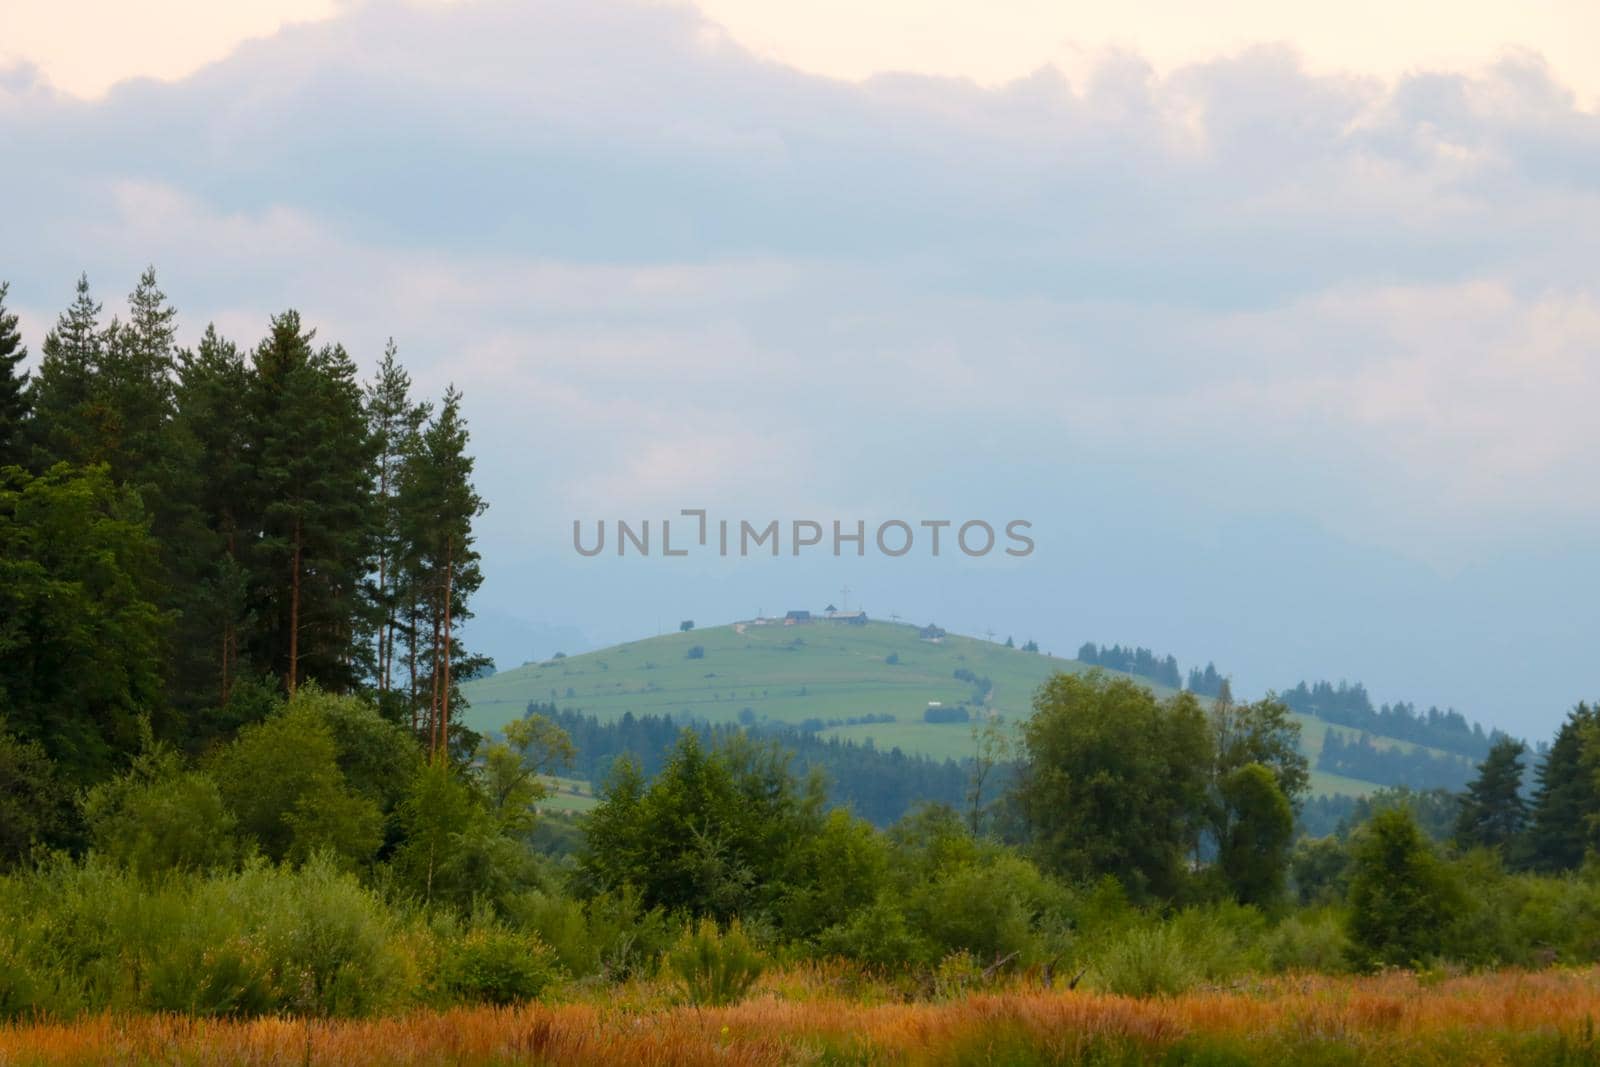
(820, 670)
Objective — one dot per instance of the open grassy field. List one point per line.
(567, 794)
(821, 670)
(782, 673)
(821, 1016)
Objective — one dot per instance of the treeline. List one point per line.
(1140, 661)
(1435, 812)
(1392, 765)
(879, 786)
(1349, 705)
(186, 531)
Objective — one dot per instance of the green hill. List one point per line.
(823, 670)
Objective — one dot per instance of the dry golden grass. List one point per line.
(799, 1017)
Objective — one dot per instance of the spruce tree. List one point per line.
(312, 459)
(210, 443)
(135, 386)
(70, 421)
(1493, 813)
(15, 401)
(1566, 799)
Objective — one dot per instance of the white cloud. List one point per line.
(669, 273)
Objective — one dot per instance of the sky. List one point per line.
(1281, 327)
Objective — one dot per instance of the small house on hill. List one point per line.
(852, 618)
(795, 618)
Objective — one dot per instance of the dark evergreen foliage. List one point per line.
(1349, 705)
(1389, 764)
(1493, 812)
(1130, 660)
(880, 786)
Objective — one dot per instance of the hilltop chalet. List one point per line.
(849, 618)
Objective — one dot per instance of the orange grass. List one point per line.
(1390, 1018)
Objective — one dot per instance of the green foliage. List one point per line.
(436, 508)
(715, 967)
(511, 770)
(1320, 869)
(1493, 813)
(311, 468)
(1311, 941)
(1567, 799)
(610, 935)
(878, 935)
(1263, 733)
(159, 817)
(845, 865)
(1253, 850)
(80, 635)
(35, 806)
(1114, 782)
(439, 818)
(718, 833)
(282, 782)
(493, 964)
(15, 403)
(1402, 897)
(1149, 961)
(91, 937)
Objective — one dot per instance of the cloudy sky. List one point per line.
(1282, 327)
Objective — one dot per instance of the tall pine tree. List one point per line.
(134, 387)
(312, 459)
(395, 423)
(15, 403)
(1567, 797)
(439, 505)
(1493, 813)
(70, 421)
(210, 439)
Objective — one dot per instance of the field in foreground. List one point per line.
(819, 1016)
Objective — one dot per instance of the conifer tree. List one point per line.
(210, 442)
(394, 422)
(439, 504)
(1493, 813)
(70, 421)
(1566, 797)
(15, 401)
(134, 387)
(312, 458)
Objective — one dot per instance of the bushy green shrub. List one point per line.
(1403, 899)
(160, 817)
(714, 966)
(1309, 941)
(93, 937)
(992, 907)
(492, 964)
(1146, 962)
(610, 935)
(877, 935)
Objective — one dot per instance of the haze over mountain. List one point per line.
(1294, 371)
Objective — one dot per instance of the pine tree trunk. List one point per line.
(411, 649)
(230, 635)
(294, 614)
(383, 578)
(449, 589)
(433, 705)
